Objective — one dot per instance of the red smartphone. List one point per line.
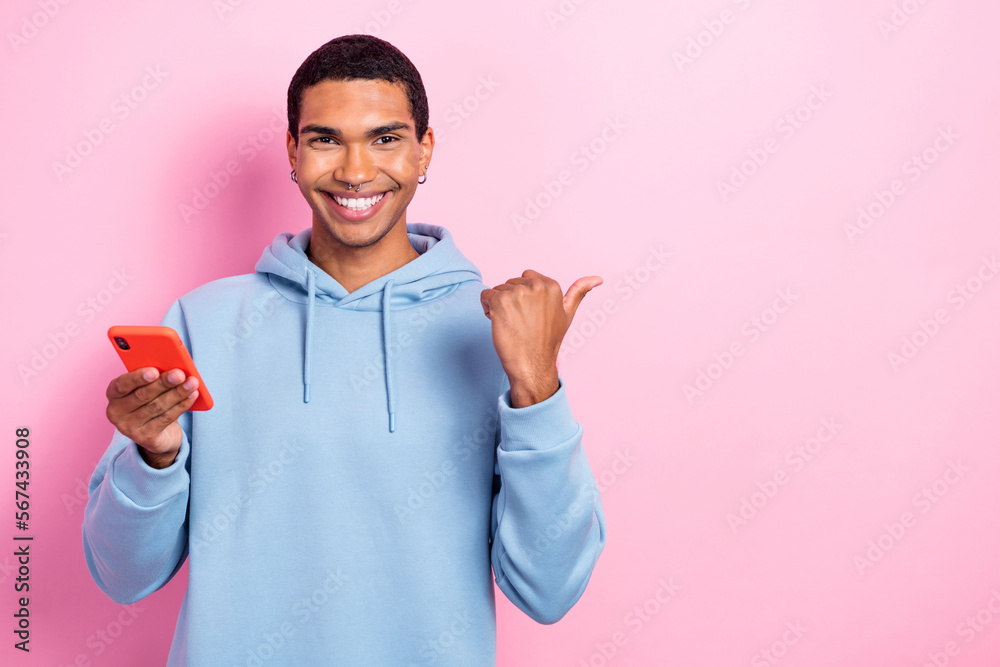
(161, 348)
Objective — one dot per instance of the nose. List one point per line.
(357, 166)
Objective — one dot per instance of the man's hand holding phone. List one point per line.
(144, 406)
(161, 384)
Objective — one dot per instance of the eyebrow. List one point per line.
(312, 128)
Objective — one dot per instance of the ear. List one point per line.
(292, 148)
(427, 146)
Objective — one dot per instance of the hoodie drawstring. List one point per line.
(311, 289)
(386, 297)
(386, 331)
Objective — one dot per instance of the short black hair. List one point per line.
(358, 57)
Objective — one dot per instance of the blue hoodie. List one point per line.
(360, 472)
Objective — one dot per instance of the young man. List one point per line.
(376, 442)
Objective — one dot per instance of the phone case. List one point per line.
(161, 348)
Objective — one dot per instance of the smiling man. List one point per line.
(387, 431)
(378, 150)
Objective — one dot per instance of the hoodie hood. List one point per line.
(438, 271)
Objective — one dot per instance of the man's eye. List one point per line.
(387, 137)
(325, 140)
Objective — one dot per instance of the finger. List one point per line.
(144, 394)
(576, 292)
(489, 297)
(529, 276)
(530, 273)
(165, 402)
(536, 279)
(512, 283)
(160, 421)
(123, 385)
(484, 299)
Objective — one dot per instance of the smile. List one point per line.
(358, 203)
(358, 209)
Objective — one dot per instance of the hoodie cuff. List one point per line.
(145, 485)
(539, 426)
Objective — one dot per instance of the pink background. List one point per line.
(907, 480)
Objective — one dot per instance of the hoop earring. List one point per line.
(293, 176)
(423, 176)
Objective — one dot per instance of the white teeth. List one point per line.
(358, 203)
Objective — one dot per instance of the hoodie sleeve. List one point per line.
(547, 524)
(135, 522)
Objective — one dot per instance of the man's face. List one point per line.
(357, 132)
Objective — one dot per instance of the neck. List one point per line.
(356, 266)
